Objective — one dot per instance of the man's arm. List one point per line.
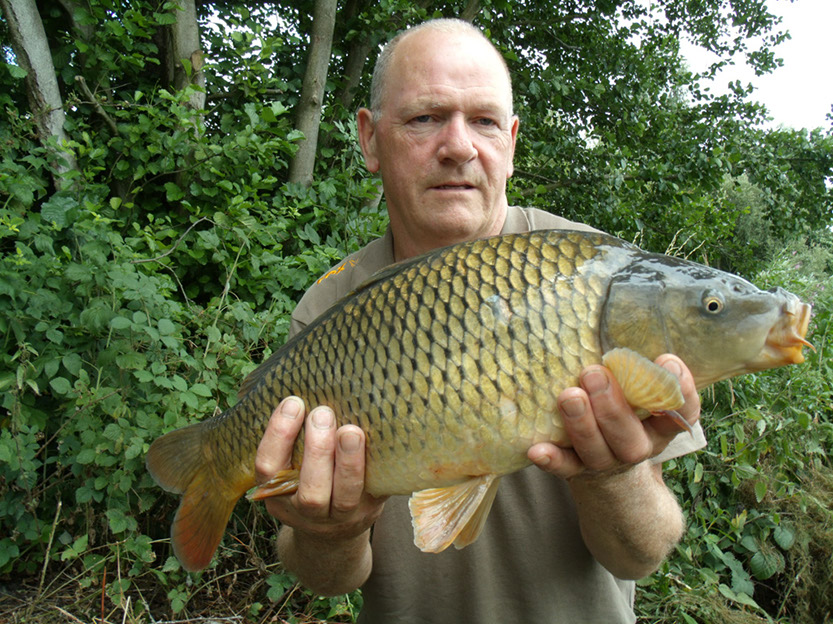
(325, 537)
(629, 519)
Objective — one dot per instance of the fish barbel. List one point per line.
(451, 363)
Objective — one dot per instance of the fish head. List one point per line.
(719, 324)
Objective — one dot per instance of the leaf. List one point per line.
(171, 565)
(784, 536)
(17, 73)
(278, 586)
(760, 490)
(86, 456)
(166, 327)
(72, 362)
(201, 389)
(213, 333)
(766, 562)
(739, 597)
(60, 385)
(173, 192)
(698, 472)
(120, 322)
(56, 209)
(117, 520)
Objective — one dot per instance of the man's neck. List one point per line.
(406, 246)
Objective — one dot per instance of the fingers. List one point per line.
(602, 427)
(316, 480)
(603, 430)
(665, 427)
(274, 453)
(348, 480)
(330, 499)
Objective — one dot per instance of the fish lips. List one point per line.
(787, 336)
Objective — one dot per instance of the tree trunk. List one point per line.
(312, 93)
(32, 53)
(186, 50)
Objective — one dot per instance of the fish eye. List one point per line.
(712, 303)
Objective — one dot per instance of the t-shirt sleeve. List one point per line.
(683, 444)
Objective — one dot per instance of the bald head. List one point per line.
(389, 58)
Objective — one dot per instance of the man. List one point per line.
(562, 536)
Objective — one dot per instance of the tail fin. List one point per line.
(179, 464)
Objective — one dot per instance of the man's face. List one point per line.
(444, 141)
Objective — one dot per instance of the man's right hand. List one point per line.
(330, 502)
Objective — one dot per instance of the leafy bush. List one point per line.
(137, 304)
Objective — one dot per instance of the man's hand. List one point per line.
(325, 537)
(606, 436)
(330, 502)
(629, 519)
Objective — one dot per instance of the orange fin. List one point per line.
(285, 482)
(177, 463)
(454, 514)
(646, 385)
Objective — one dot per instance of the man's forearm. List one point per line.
(326, 566)
(630, 521)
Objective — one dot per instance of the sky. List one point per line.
(798, 94)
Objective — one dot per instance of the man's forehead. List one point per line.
(443, 96)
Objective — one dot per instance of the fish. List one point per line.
(451, 363)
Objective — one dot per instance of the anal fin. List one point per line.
(454, 514)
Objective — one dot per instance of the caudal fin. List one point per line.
(178, 463)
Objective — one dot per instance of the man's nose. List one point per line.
(456, 142)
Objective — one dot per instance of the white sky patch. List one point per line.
(800, 93)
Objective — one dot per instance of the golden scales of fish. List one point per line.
(451, 363)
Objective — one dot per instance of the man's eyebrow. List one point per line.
(495, 107)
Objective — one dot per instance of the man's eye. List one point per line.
(486, 121)
(422, 118)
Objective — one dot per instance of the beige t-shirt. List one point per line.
(530, 564)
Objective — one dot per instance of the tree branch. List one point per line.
(97, 105)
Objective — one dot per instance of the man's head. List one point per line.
(442, 135)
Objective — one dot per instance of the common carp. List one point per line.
(451, 363)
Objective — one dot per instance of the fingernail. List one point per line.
(594, 381)
(540, 459)
(673, 367)
(349, 441)
(322, 418)
(573, 408)
(291, 408)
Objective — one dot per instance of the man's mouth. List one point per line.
(462, 186)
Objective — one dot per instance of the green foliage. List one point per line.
(138, 302)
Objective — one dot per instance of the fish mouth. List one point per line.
(786, 339)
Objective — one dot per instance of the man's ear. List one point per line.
(367, 139)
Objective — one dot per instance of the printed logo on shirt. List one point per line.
(336, 270)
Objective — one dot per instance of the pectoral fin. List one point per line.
(647, 386)
(454, 514)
